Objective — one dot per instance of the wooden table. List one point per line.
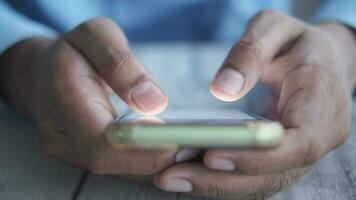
(184, 71)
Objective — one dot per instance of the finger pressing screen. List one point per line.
(83, 106)
(105, 46)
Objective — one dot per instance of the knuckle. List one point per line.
(116, 61)
(118, 65)
(277, 182)
(285, 179)
(218, 190)
(251, 47)
(123, 69)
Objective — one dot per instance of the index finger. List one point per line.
(104, 44)
(85, 110)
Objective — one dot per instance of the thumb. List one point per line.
(266, 34)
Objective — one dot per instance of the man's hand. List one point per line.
(65, 86)
(312, 69)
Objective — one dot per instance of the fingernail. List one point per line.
(186, 154)
(177, 185)
(222, 164)
(147, 95)
(229, 81)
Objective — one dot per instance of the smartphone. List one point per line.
(199, 128)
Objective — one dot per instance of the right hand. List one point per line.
(66, 84)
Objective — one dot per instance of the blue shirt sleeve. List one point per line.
(343, 11)
(15, 27)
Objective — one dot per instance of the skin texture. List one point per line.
(64, 84)
(311, 70)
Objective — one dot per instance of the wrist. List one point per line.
(343, 39)
(18, 68)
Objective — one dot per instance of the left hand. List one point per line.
(311, 69)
